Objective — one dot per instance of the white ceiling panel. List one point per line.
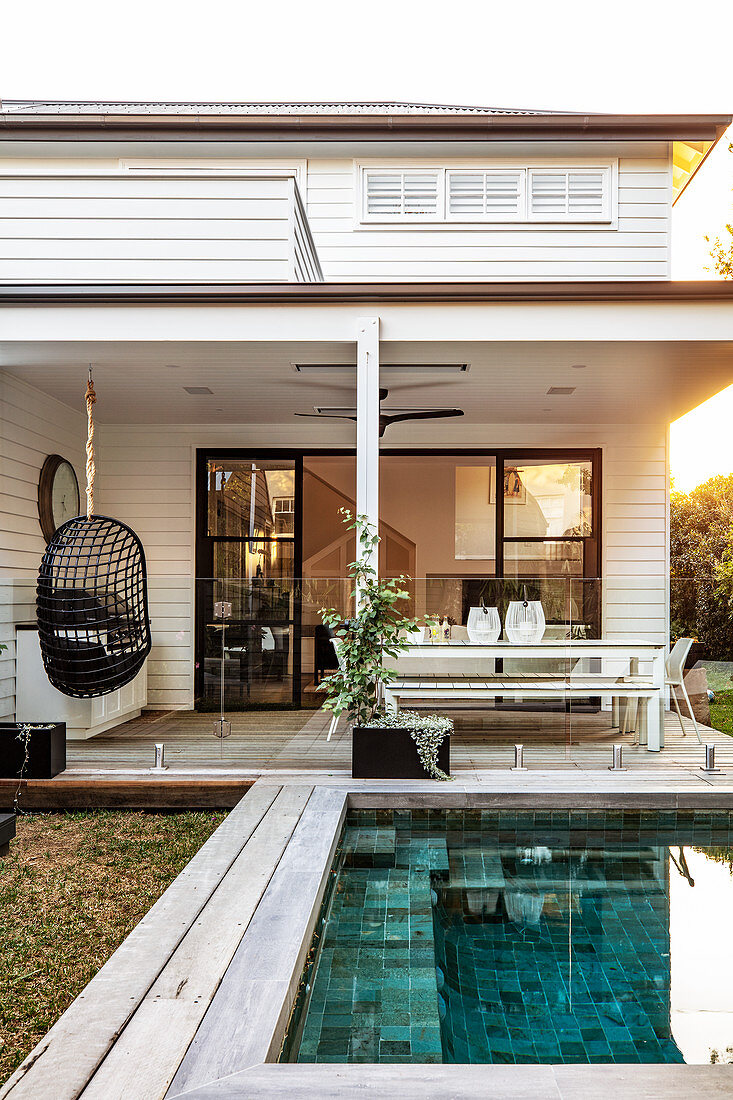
(145, 383)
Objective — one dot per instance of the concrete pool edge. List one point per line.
(464, 1082)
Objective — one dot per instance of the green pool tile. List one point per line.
(535, 978)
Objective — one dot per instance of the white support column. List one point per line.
(367, 422)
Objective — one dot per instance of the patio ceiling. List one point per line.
(144, 382)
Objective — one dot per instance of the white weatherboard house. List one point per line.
(227, 268)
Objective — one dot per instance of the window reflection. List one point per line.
(250, 499)
(547, 500)
(543, 559)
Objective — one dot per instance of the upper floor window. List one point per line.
(493, 196)
(400, 194)
(569, 195)
(582, 194)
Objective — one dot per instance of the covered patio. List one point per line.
(284, 387)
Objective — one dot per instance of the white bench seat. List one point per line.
(456, 688)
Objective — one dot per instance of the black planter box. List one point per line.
(46, 751)
(7, 832)
(390, 754)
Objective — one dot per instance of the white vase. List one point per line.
(525, 621)
(484, 625)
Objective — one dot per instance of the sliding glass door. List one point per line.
(550, 536)
(247, 565)
(470, 527)
(272, 551)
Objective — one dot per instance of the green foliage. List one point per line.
(377, 631)
(701, 565)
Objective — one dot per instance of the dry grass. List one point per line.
(71, 889)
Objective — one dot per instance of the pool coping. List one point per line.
(321, 1081)
(471, 1082)
(230, 1036)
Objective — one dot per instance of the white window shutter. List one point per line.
(577, 194)
(586, 193)
(548, 194)
(493, 196)
(400, 194)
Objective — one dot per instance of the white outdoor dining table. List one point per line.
(467, 658)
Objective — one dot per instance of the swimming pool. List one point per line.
(523, 937)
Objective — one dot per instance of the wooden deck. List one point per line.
(114, 770)
(275, 742)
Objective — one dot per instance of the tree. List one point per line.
(701, 547)
(722, 254)
(722, 250)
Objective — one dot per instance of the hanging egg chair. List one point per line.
(91, 599)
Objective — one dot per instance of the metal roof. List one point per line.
(75, 120)
(139, 107)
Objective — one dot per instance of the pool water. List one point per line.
(527, 937)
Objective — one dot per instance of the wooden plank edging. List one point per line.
(174, 1006)
(247, 1018)
(139, 792)
(470, 1082)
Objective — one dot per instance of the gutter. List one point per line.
(345, 127)
(184, 294)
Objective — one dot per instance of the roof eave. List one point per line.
(304, 127)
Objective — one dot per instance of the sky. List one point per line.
(633, 56)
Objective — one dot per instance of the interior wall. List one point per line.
(146, 479)
(32, 426)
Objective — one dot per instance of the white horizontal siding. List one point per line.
(97, 222)
(127, 227)
(635, 537)
(32, 426)
(145, 478)
(636, 248)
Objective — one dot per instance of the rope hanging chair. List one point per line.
(91, 598)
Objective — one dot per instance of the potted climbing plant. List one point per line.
(385, 744)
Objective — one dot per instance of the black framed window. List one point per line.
(466, 525)
(248, 558)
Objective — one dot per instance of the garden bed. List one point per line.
(71, 889)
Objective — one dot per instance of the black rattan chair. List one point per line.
(92, 607)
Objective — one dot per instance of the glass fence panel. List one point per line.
(575, 680)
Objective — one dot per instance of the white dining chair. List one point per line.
(675, 678)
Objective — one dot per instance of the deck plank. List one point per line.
(277, 744)
(247, 1018)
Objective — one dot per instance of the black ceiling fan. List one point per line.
(385, 418)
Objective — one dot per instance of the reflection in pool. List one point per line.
(525, 937)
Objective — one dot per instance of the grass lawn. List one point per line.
(721, 712)
(71, 889)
